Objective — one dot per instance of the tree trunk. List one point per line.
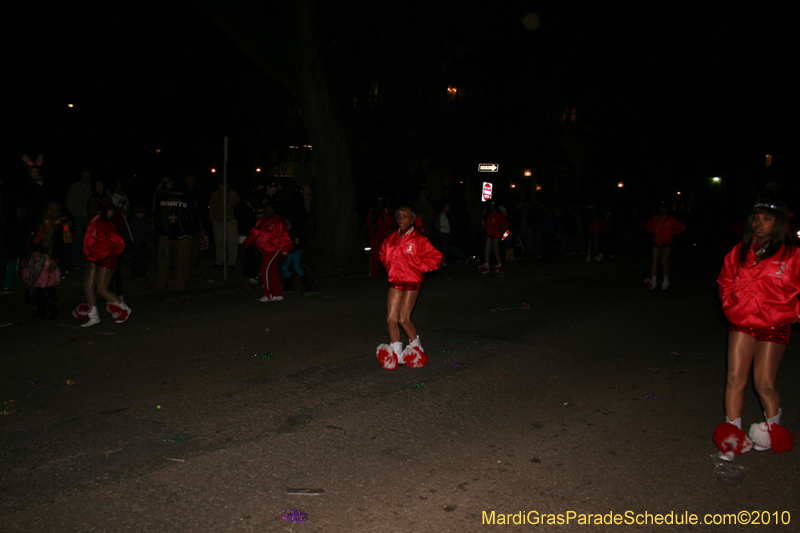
(284, 44)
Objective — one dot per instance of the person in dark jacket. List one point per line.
(142, 235)
(176, 223)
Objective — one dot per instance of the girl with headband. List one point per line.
(406, 254)
(758, 285)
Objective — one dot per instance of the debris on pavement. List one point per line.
(305, 492)
(293, 515)
(651, 396)
(727, 473)
(177, 438)
(522, 306)
(267, 355)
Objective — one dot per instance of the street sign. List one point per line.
(486, 192)
(488, 167)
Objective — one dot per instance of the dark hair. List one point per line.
(780, 231)
(38, 247)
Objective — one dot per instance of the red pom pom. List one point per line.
(781, 439)
(80, 312)
(413, 357)
(729, 438)
(116, 310)
(386, 357)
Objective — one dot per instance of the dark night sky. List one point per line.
(672, 90)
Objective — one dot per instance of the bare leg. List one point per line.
(408, 299)
(103, 279)
(741, 351)
(665, 260)
(393, 305)
(765, 368)
(656, 259)
(488, 249)
(89, 280)
(496, 249)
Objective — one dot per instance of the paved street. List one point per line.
(602, 397)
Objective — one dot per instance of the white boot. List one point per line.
(93, 318)
(759, 432)
(397, 349)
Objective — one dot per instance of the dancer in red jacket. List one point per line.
(406, 254)
(271, 238)
(758, 285)
(102, 246)
(663, 227)
(495, 224)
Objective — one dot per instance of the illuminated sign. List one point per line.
(488, 167)
(486, 193)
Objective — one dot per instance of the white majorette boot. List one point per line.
(771, 435)
(94, 318)
(387, 357)
(414, 356)
(731, 440)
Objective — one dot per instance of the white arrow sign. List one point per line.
(488, 167)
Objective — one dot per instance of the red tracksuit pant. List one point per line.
(270, 273)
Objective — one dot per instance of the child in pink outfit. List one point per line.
(41, 277)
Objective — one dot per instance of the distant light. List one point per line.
(769, 160)
(71, 105)
(716, 178)
(620, 185)
(213, 170)
(258, 169)
(527, 172)
(531, 21)
(513, 186)
(367, 249)
(158, 150)
(679, 192)
(538, 187)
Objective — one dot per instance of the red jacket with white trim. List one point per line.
(407, 256)
(269, 235)
(102, 240)
(664, 228)
(761, 294)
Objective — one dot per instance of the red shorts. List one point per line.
(408, 286)
(662, 245)
(110, 263)
(776, 334)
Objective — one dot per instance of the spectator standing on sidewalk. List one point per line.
(176, 222)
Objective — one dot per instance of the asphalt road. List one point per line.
(601, 398)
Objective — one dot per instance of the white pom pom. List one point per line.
(760, 437)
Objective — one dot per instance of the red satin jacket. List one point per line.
(496, 224)
(102, 240)
(761, 294)
(664, 228)
(269, 235)
(407, 256)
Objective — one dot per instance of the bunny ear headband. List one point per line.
(39, 161)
